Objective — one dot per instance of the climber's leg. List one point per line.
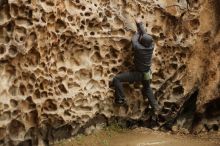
(124, 77)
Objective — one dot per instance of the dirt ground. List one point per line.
(141, 137)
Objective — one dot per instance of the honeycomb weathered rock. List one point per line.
(58, 58)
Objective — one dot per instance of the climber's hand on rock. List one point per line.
(138, 20)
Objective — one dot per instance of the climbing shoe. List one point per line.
(158, 110)
(120, 101)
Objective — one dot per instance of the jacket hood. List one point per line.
(146, 40)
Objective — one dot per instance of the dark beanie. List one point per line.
(146, 40)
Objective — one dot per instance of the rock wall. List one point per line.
(58, 58)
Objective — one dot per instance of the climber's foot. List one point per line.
(120, 101)
(158, 110)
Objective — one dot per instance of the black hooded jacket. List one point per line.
(143, 49)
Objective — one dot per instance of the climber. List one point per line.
(143, 47)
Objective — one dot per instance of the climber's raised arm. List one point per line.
(141, 40)
(135, 39)
(140, 26)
